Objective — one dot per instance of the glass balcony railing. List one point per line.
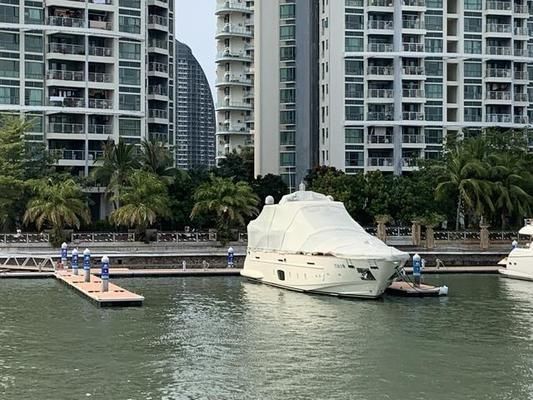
(64, 75)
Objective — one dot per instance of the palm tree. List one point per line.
(230, 203)
(511, 180)
(119, 162)
(57, 205)
(466, 175)
(143, 201)
(157, 159)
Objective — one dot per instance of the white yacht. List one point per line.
(519, 262)
(309, 243)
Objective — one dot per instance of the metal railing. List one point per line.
(100, 77)
(499, 28)
(98, 129)
(380, 161)
(100, 51)
(498, 73)
(59, 127)
(380, 139)
(381, 93)
(499, 5)
(413, 93)
(380, 24)
(158, 67)
(100, 103)
(66, 21)
(498, 95)
(499, 50)
(64, 75)
(157, 20)
(66, 48)
(380, 70)
(503, 118)
(380, 47)
(413, 70)
(19, 238)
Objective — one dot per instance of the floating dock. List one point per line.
(115, 297)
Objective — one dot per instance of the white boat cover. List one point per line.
(311, 223)
(526, 230)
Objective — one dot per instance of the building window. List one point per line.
(433, 113)
(34, 70)
(434, 3)
(433, 68)
(287, 11)
(354, 90)
(129, 127)
(286, 32)
(33, 43)
(9, 95)
(472, 24)
(433, 23)
(129, 24)
(473, 92)
(354, 113)
(433, 90)
(33, 97)
(130, 51)
(287, 159)
(9, 14)
(433, 136)
(287, 95)
(473, 46)
(472, 70)
(434, 45)
(33, 16)
(9, 69)
(472, 114)
(354, 159)
(354, 136)
(9, 41)
(287, 74)
(287, 53)
(130, 76)
(354, 21)
(286, 138)
(287, 117)
(130, 102)
(472, 4)
(353, 44)
(354, 67)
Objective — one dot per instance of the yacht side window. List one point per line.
(281, 275)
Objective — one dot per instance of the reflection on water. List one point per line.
(224, 338)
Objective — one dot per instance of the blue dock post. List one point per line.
(417, 269)
(104, 275)
(231, 254)
(87, 264)
(74, 261)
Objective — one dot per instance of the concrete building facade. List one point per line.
(195, 113)
(234, 80)
(396, 77)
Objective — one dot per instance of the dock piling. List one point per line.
(104, 275)
(87, 264)
(74, 261)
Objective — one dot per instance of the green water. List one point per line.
(224, 338)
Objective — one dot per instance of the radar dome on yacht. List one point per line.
(269, 200)
(330, 197)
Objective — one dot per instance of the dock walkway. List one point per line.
(116, 296)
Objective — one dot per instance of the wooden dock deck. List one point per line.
(115, 297)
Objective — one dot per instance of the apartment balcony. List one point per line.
(100, 77)
(413, 116)
(158, 3)
(499, 118)
(409, 162)
(503, 73)
(228, 55)
(66, 22)
(158, 22)
(70, 102)
(414, 94)
(380, 161)
(380, 139)
(233, 30)
(381, 71)
(65, 128)
(155, 115)
(521, 75)
(380, 94)
(65, 48)
(63, 75)
(379, 116)
(413, 47)
(100, 2)
(520, 52)
(158, 46)
(499, 50)
(99, 129)
(380, 47)
(381, 3)
(498, 95)
(98, 51)
(103, 104)
(414, 3)
(521, 97)
(101, 25)
(413, 24)
(232, 6)
(233, 105)
(413, 71)
(233, 130)
(499, 6)
(234, 80)
(519, 31)
(380, 25)
(499, 28)
(521, 9)
(158, 92)
(158, 69)
(521, 119)
(413, 139)
(76, 155)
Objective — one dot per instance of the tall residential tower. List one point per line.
(235, 55)
(195, 113)
(396, 77)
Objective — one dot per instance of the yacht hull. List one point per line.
(328, 275)
(518, 265)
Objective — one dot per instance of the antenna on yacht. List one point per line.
(301, 188)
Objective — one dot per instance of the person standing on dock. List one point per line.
(417, 269)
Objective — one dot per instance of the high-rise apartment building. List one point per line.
(234, 82)
(195, 113)
(87, 71)
(396, 77)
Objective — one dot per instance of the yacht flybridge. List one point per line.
(309, 243)
(519, 262)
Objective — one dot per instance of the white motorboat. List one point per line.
(519, 262)
(309, 243)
